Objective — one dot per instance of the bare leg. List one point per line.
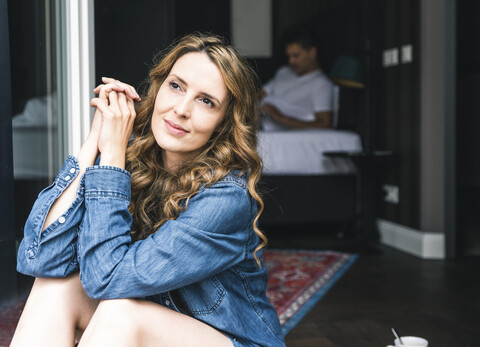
(130, 322)
(55, 309)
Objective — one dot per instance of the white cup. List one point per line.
(410, 341)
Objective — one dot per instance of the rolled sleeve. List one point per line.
(52, 252)
(207, 238)
(107, 182)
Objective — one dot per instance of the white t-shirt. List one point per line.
(299, 96)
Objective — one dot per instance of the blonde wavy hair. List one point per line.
(159, 195)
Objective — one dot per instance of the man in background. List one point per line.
(300, 95)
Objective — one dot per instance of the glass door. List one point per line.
(49, 44)
(37, 122)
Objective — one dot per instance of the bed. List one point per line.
(300, 185)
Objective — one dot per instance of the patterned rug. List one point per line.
(297, 281)
(9, 314)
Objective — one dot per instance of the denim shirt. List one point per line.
(204, 256)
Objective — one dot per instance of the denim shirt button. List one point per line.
(67, 178)
(61, 220)
(167, 302)
(32, 252)
(72, 170)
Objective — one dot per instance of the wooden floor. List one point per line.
(438, 300)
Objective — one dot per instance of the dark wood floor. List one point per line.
(438, 300)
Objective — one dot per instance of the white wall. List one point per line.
(432, 110)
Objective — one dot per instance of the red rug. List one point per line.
(9, 314)
(297, 280)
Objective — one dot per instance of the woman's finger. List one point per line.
(113, 101)
(122, 103)
(100, 105)
(132, 94)
(131, 107)
(130, 90)
(125, 85)
(102, 94)
(101, 87)
(108, 80)
(96, 90)
(109, 87)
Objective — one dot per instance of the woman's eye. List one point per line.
(174, 85)
(208, 102)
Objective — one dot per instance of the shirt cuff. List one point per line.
(107, 182)
(68, 172)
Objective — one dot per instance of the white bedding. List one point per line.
(299, 152)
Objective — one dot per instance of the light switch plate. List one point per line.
(407, 54)
(390, 57)
(391, 193)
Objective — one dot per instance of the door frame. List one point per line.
(451, 232)
(8, 281)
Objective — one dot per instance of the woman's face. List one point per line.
(190, 104)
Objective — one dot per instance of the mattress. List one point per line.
(300, 152)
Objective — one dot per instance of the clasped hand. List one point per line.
(113, 120)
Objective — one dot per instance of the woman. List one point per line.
(177, 260)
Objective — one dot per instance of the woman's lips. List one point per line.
(175, 128)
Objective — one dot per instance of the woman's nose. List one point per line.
(183, 108)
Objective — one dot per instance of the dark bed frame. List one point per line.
(308, 199)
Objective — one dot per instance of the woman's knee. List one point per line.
(114, 320)
(129, 314)
(117, 312)
(67, 295)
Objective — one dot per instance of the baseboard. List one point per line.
(425, 245)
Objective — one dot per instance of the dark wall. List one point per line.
(398, 122)
(206, 16)
(468, 125)
(128, 34)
